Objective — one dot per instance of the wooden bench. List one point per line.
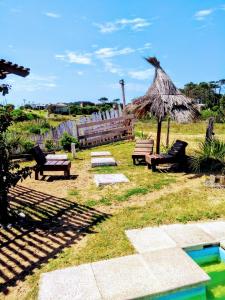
(54, 165)
(49, 165)
(142, 148)
(175, 155)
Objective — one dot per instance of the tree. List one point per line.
(4, 89)
(10, 172)
(103, 100)
(222, 103)
(204, 92)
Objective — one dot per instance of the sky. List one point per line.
(79, 50)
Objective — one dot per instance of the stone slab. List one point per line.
(174, 269)
(105, 179)
(103, 161)
(124, 278)
(71, 283)
(100, 153)
(215, 229)
(57, 157)
(188, 235)
(149, 239)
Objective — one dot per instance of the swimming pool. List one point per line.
(212, 260)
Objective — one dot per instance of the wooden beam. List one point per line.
(7, 67)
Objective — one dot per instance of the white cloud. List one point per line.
(52, 15)
(106, 56)
(112, 68)
(202, 14)
(141, 74)
(111, 52)
(145, 47)
(75, 58)
(135, 24)
(80, 73)
(33, 83)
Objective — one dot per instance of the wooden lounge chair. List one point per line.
(175, 155)
(142, 148)
(49, 165)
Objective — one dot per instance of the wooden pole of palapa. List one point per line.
(159, 126)
(168, 133)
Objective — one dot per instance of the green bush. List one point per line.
(49, 145)
(27, 146)
(20, 115)
(45, 124)
(207, 113)
(209, 157)
(35, 129)
(66, 141)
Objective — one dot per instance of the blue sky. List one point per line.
(79, 50)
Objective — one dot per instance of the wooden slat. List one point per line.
(110, 121)
(113, 131)
(144, 146)
(143, 149)
(145, 142)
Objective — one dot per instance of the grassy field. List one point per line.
(148, 199)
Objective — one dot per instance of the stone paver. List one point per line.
(100, 153)
(160, 267)
(105, 179)
(102, 161)
(215, 229)
(124, 278)
(188, 235)
(174, 269)
(149, 239)
(71, 283)
(57, 157)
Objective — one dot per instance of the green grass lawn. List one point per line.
(149, 199)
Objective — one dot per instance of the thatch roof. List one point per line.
(163, 98)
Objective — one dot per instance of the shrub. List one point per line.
(18, 115)
(35, 129)
(207, 113)
(27, 146)
(66, 141)
(45, 124)
(49, 145)
(210, 157)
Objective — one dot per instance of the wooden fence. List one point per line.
(97, 129)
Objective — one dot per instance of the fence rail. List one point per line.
(97, 129)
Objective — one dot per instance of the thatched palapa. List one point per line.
(163, 99)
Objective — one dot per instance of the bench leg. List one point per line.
(153, 168)
(67, 173)
(134, 161)
(36, 174)
(41, 172)
(149, 166)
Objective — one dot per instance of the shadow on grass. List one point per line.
(50, 224)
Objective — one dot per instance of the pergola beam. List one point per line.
(7, 67)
